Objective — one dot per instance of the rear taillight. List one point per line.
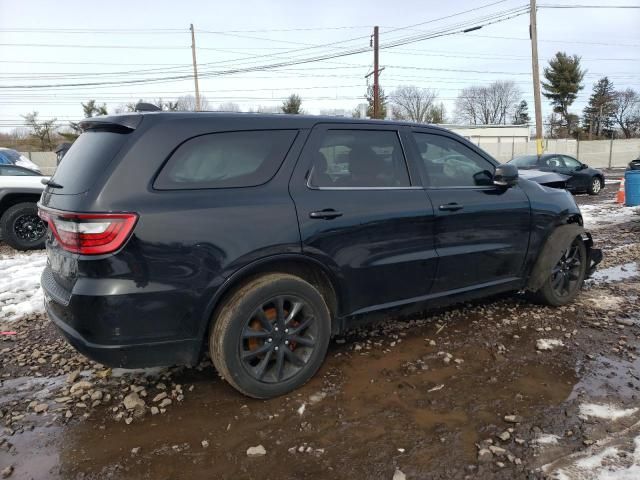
(89, 233)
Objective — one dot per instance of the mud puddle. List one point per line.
(417, 396)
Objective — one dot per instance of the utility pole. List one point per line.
(376, 85)
(195, 67)
(533, 33)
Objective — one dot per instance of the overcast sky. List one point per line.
(35, 49)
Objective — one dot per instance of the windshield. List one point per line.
(525, 161)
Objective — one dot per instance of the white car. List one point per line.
(20, 191)
(9, 156)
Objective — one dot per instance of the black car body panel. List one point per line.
(151, 301)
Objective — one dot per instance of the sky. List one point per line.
(79, 42)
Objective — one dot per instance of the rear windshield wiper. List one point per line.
(51, 183)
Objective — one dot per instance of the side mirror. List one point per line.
(506, 175)
(583, 166)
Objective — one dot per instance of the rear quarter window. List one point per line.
(226, 160)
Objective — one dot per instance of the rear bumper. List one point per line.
(78, 318)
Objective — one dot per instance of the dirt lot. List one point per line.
(495, 389)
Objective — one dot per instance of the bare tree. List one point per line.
(187, 103)
(627, 112)
(43, 131)
(412, 103)
(229, 107)
(487, 105)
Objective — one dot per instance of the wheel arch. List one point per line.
(10, 198)
(299, 265)
(551, 252)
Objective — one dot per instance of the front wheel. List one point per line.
(271, 336)
(595, 186)
(566, 277)
(21, 227)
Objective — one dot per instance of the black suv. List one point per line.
(260, 236)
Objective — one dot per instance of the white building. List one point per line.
(483, 134)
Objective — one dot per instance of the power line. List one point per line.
(499, 17)
(577, 42)
(589, 6)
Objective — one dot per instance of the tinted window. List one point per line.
(86, 159)
(525, 161)
(8, 170)
(4, 160)
(359, 159)
(449, 163)
(223, 160)
(571, 162)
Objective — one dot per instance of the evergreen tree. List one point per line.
(598, 115)
(382, 103)
(90, 109)
(563, 82)
(521, 114)
(292, 104)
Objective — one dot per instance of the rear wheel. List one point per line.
(21, 227)
(566, 277)
(271, 336)
(595, 186)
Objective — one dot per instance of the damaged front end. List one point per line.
(594, 255)
(548, 179)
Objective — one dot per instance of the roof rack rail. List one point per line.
(147, 107)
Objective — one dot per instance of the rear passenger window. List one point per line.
(225, 160)
(359, 159)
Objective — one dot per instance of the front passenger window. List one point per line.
(359, 159)
(449, 163)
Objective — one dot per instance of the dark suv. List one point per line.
(260, 236)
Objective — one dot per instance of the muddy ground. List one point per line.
(466, 392)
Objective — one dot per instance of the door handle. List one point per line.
(326, 214)
(451, 207)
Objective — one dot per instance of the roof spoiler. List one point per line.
(128, 122)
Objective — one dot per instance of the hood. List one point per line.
(31, 182)
(550, 179)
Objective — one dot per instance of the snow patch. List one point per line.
(548, 343)
(608, 464)
(617, 273)
(604, 214)
(547, 439)
(609, 412)
(20, 292)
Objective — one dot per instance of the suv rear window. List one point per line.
(86, 159)
(226, 160)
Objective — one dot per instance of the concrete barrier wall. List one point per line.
(595, 153)
(47, 161)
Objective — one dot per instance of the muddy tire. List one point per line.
(566, 279)
(596, 184)
(21, 227)
(270, 336)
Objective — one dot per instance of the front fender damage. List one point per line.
(557, 243)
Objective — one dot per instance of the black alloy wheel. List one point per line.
(270, 335)
(29, 228)
(567, 272)
(278, 339)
